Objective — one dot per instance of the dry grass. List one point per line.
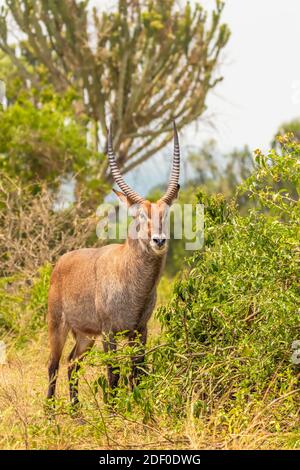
(26, 425)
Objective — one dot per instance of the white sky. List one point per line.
(261, 86)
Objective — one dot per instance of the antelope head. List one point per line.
(151, 220)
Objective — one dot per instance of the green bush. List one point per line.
(40, 143)
(23, 304)
(45, 143)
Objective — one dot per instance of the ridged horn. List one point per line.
(173, 185)
(132, 195)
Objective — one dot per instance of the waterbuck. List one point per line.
(111, 289)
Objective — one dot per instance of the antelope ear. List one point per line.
(126, 201)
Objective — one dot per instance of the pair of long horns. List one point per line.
(173, 185)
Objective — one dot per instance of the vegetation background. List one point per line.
(222, 367)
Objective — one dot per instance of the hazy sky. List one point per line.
(261, 87)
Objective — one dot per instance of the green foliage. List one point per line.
(42, 144)
(286, 128)
(276, 184)
(38, 297)
(10, 305)
(23, 305)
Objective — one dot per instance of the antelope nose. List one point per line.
(159, 241)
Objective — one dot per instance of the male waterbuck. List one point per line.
(111, 289)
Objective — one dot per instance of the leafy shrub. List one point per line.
(38, 298)
(23, 304)
(38, 143)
